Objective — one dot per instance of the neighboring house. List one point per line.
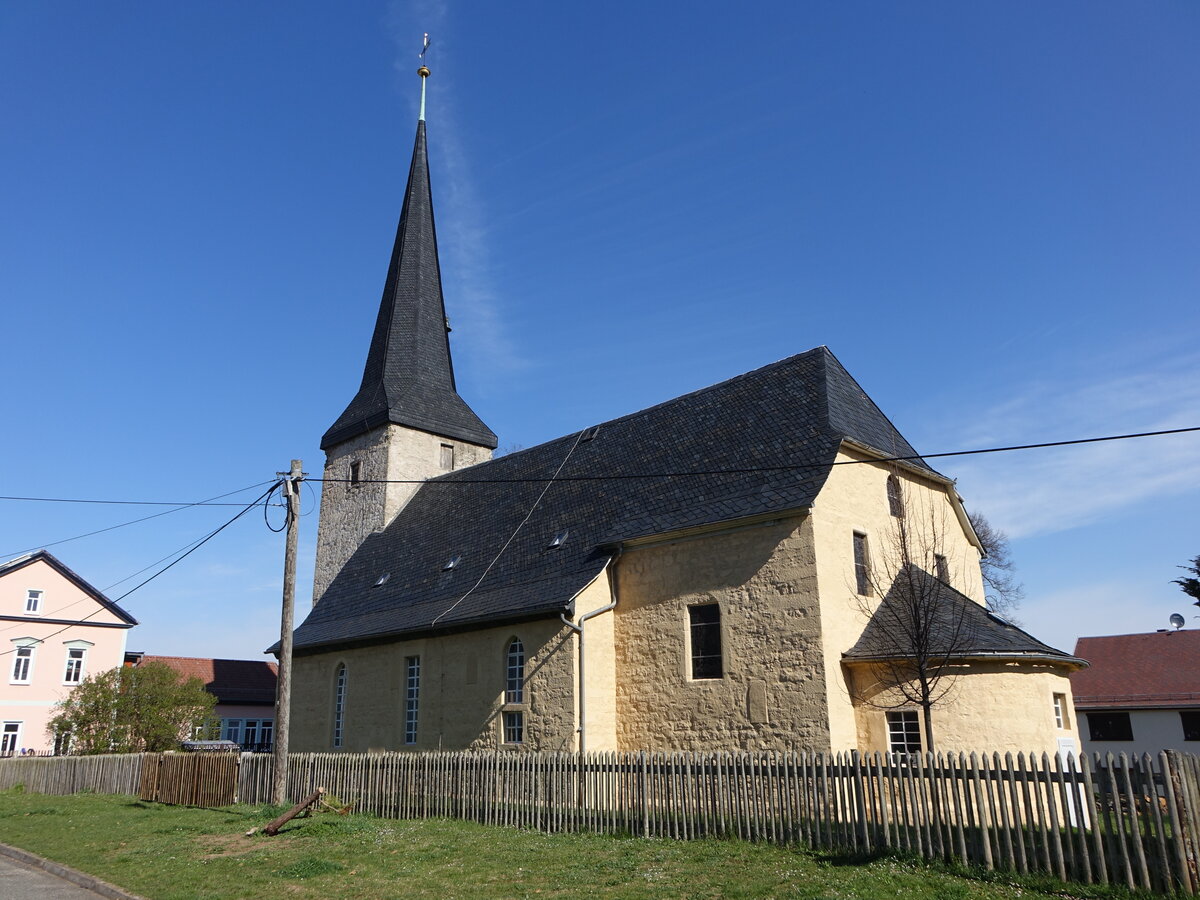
(58, 629)
(1141, 693)
(245, 692)
(691, 576)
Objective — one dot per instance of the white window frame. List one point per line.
(10, 737)
(34, 596)
(20, 645)
(512, 718)
(82, 648)
(1062, 718)
(412, 698)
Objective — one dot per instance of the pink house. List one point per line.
(55, 630)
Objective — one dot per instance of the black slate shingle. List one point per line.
(793, 413)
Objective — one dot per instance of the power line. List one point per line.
(167, 512)
(198, 544)
(180, 503)
(759, 469)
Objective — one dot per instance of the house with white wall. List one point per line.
(56, 630)
(1141, 693)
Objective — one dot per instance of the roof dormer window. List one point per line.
(451, 563)
(558, 540)
(382, 579)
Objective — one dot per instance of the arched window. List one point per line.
(895, 500)
(339, 705)
(514, 693)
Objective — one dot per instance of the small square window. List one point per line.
(1110, 726)
(33, 602)
(904, 731)
(514, 728)
(1190, 719)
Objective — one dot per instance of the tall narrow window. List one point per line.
(22, 663)
(74, 672)
(862, 565)
(266, 735)
(447, 457)
(1061, 717)
(10, 738)
(895, 498)
(1190, 720)
(412, 690)
(943, 568)
(904, 731)
(514, 688)
(33, 602)
(355, 472)
(231, 730)
(339, 705)
(514, 693)
(705, 627)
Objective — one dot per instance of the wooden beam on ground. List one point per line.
(273, 827)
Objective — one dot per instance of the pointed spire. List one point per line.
(409, 376)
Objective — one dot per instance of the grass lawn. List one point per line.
(177, 853)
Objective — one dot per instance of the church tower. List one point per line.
(407, 421)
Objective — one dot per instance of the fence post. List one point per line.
(1183, 816)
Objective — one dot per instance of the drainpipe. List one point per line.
(578, 629)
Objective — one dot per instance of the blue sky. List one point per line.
(990, 212)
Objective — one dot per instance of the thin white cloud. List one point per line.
(1044, 491)
(481, 339)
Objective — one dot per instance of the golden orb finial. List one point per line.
(423, 71)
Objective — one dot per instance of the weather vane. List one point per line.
(423, 71)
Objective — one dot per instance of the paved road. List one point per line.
(21, 882)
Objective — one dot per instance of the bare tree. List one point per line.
(1001, 588)
(918, 633)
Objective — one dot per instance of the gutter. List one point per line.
(578, 629)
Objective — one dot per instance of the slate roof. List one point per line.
(409, 375)
(54, 562)
(793, 413)
(249, 681)
(1156, 670)
(959, 626)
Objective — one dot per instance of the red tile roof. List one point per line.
(231, 680)
(1160, 669)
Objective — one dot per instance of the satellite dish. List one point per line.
(1177, 620)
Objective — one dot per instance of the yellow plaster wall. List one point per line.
(854, 498)
(600, 666)
(772, 694)
(993, 706)
(461, 693)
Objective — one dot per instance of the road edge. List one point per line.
(82, 879)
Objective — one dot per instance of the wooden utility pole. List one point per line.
(283, 694)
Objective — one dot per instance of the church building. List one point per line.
(725, 570)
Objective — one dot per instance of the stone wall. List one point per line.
(352, 512)
(772, 690)
(460, 697)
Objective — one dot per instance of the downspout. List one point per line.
(578, 629)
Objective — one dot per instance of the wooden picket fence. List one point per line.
(1132, 821)
(111, 774)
